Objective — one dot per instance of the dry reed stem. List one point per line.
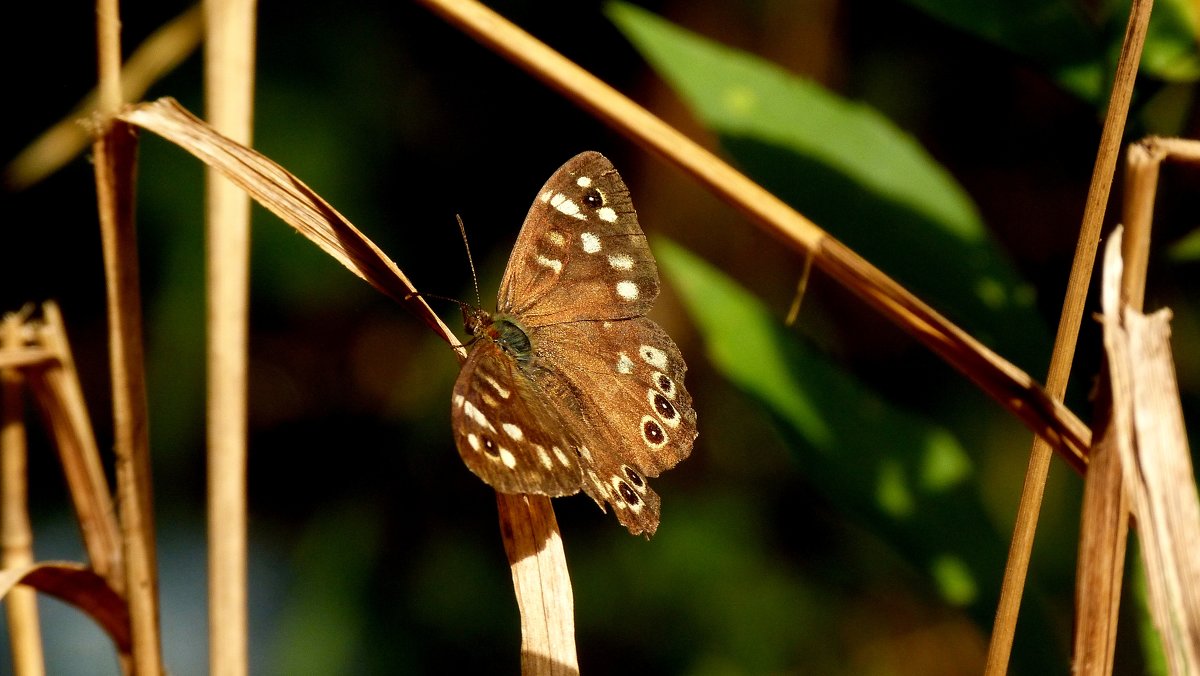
(1011, 387)
(1156, 466)
(229, 96)
(296, 204)
(1016, 568)
(81, 587)
(58, 145)
(1159, 469)
(1104, 519)
(60, 398)
(16, 535)
(113, 154)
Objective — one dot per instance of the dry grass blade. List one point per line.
(289, 198)
(1105, 514)
(157, 56)
(60, 398)
(1150, 438)
(79, 586)
(1159, 470)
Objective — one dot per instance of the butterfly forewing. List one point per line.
(581, 254)
(504, 431)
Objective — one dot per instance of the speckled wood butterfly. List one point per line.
(569, 386)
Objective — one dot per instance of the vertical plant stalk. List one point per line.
(1104, 521)
(16, 536)
(113, 154)
(1013, 585)
(229, 89)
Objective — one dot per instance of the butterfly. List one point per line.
(569, 386)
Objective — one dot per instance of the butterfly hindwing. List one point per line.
(623, 391)
(505, 434)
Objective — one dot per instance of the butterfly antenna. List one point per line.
(474, 278)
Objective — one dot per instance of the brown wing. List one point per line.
(505, 432)
(619, 385)
(581, 254)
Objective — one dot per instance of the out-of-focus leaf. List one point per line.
(1054, 34)
(1186, 249)
(851, 170)
(1073, 49)
(1172, 52)
(908, 480)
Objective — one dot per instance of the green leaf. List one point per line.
(908, 480)
(1186, 249)
(851, 170)
(1171, 52)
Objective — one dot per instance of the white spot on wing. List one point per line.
(474, 441)
(624, 364)
(569, 208)
(627, 290)
(514, 431)
(458, 400)
(591, 243)
(607, 214)
(552, 263)
(500, 389)
(510, 460)
(544, 455)
(583, 181)
(653, 356)
(621, 262)
(545, 197)
(562, 457)
(558, 199)
(477, 415)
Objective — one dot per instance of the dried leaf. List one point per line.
(79, 586)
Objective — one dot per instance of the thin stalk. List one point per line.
(1013, 585)
(229, 87)
(113, 154)
(16, 536)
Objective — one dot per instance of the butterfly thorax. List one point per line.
(505, 331)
